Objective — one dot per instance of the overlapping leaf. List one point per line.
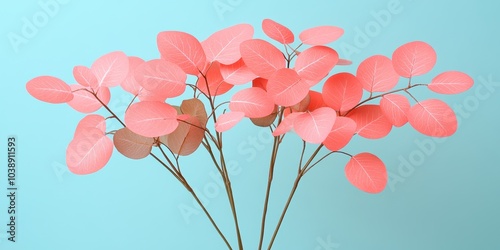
(85, 102)
(261, 57)
(228, 120)
(151, 119)
(186, 138)
(371, 122)
(132, 145)
(254, 102)
(286, 87)
(342, 91)
(224, 45)
(395, 107)
(316, 62)
(314, 126)
(110, 69)
(182, 49)
(237, 73)
(89, 151)
(321, 35)
(341, 133)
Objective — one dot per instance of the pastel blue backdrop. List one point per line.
(442, 194)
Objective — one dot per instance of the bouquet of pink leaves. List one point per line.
(274, 84)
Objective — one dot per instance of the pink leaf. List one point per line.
(216, 84)
(266, 121)
(150, 96)
(433, 118)
(313, 127)
(162, 77)
(228, 120)
(130, 84)
(342, 91)
(342, 131)
(85, 102)
(196, 108)
(286, 124)
(376, 74)
(302, 105)
(237, 73)
(224, 45)
(254, 102)
(321, 35)
(182, 49)
(110, 69)
(260, 82)
(262, 57)
(277, 31)
(316, 62)
(85, 77)
(451, 82)
(395, 107)
(413, 59)
(286, 87)
(49, 89)
(371, 122)
(91, 121)
(132, 145)
(186, 138)
(316, 100)
(366, 172)
(88, 152)
(151, 119)
(344, 62)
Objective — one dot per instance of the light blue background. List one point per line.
(449, 201)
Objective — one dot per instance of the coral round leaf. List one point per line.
(130, 84)
(237, 73)
(91, 121)
(316, 62)
(286, 87)
(376, 74)
(228, 120)
(182, 49)
(186, 138)
(413, 59)
(164, 78)
(366, 172)
(316, 100)
(254, 102)
(49, 89)
(89, 151)
(261, 57)
(111, 69)
(266, 120)
(395, 107)
(277, 31)
(85, 77)
(286, 124)
(85, 102)
(341, 133)
(216, 84)
(224, 45)
(371, 121)
(132, 145)
(314, 126)
(260, 82)
(451, 82)
(151, 119)
(433, 117)
(196, 108)
(321, 35)
(342, 91)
